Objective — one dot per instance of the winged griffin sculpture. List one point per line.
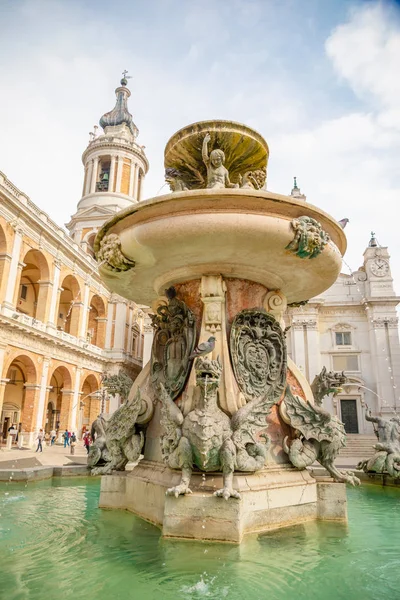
(319, 436)
(327, 382)
(116, 441)
(208, 438)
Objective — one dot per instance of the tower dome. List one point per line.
(120, 114)
(115, 166)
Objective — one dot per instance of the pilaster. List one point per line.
(42, 393)
(52, 321)
(13, 280)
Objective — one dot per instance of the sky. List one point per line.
(317, 78)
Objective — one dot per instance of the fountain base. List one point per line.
(275, 497)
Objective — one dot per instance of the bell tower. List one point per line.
(114, 169)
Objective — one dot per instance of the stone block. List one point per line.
(332, 501)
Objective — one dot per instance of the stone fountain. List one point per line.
(225, 420)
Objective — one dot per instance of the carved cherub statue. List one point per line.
(217, 174)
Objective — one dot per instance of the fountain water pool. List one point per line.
(56, 543)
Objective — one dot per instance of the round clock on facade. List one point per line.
(380, 267)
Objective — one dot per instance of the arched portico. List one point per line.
(20, 394)
(32, 291)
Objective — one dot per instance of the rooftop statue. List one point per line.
(327, 382)
(217, 174)
(387, 457)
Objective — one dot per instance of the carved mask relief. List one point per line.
(258, 352)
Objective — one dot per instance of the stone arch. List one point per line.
(3, 241)
(88, 242)
(33, 286)
(96, 329)
(90, 403)
(20, 394)
(61, 396)
(69, 305)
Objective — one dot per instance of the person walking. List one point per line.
(72, 443)
(53, 435)
(86, 441)
(66, 438)
(39, 438)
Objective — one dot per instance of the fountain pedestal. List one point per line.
(272, 498)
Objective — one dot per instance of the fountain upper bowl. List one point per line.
(238, 233)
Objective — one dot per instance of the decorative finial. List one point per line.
(125, 77)
(295, 183)
(372, 242)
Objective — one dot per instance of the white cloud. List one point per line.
(365, 52)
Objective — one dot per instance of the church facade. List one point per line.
(353, 327)
(61, 329)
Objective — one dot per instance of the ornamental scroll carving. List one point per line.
(174, 341)
(258, 352)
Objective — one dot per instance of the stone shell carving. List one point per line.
(173, 343)
(258, 353)
(309, 239)
(111, 255)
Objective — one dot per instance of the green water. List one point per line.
(55, 543)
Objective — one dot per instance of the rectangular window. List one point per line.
(343, 338)
(24, 292)
(345, 362)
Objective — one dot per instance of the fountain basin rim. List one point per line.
(265, 201)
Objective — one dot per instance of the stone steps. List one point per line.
(359, 446)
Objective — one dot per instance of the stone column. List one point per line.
(112, 175)
(85, 312)
(29, 411)
(76, 400)
(13, 280)
(119, 173)
(135, 183)
(385, 359)
(140, 186)
(89, 177)
(17, 282)
(120, 325)
(52, 321)
(66, 409)
(42, 393)
(94, 175)
(110, 314)
(42, 302)
(148, 334)
(298, 345)
(130, 338)
(3, 382)
(131, 178)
